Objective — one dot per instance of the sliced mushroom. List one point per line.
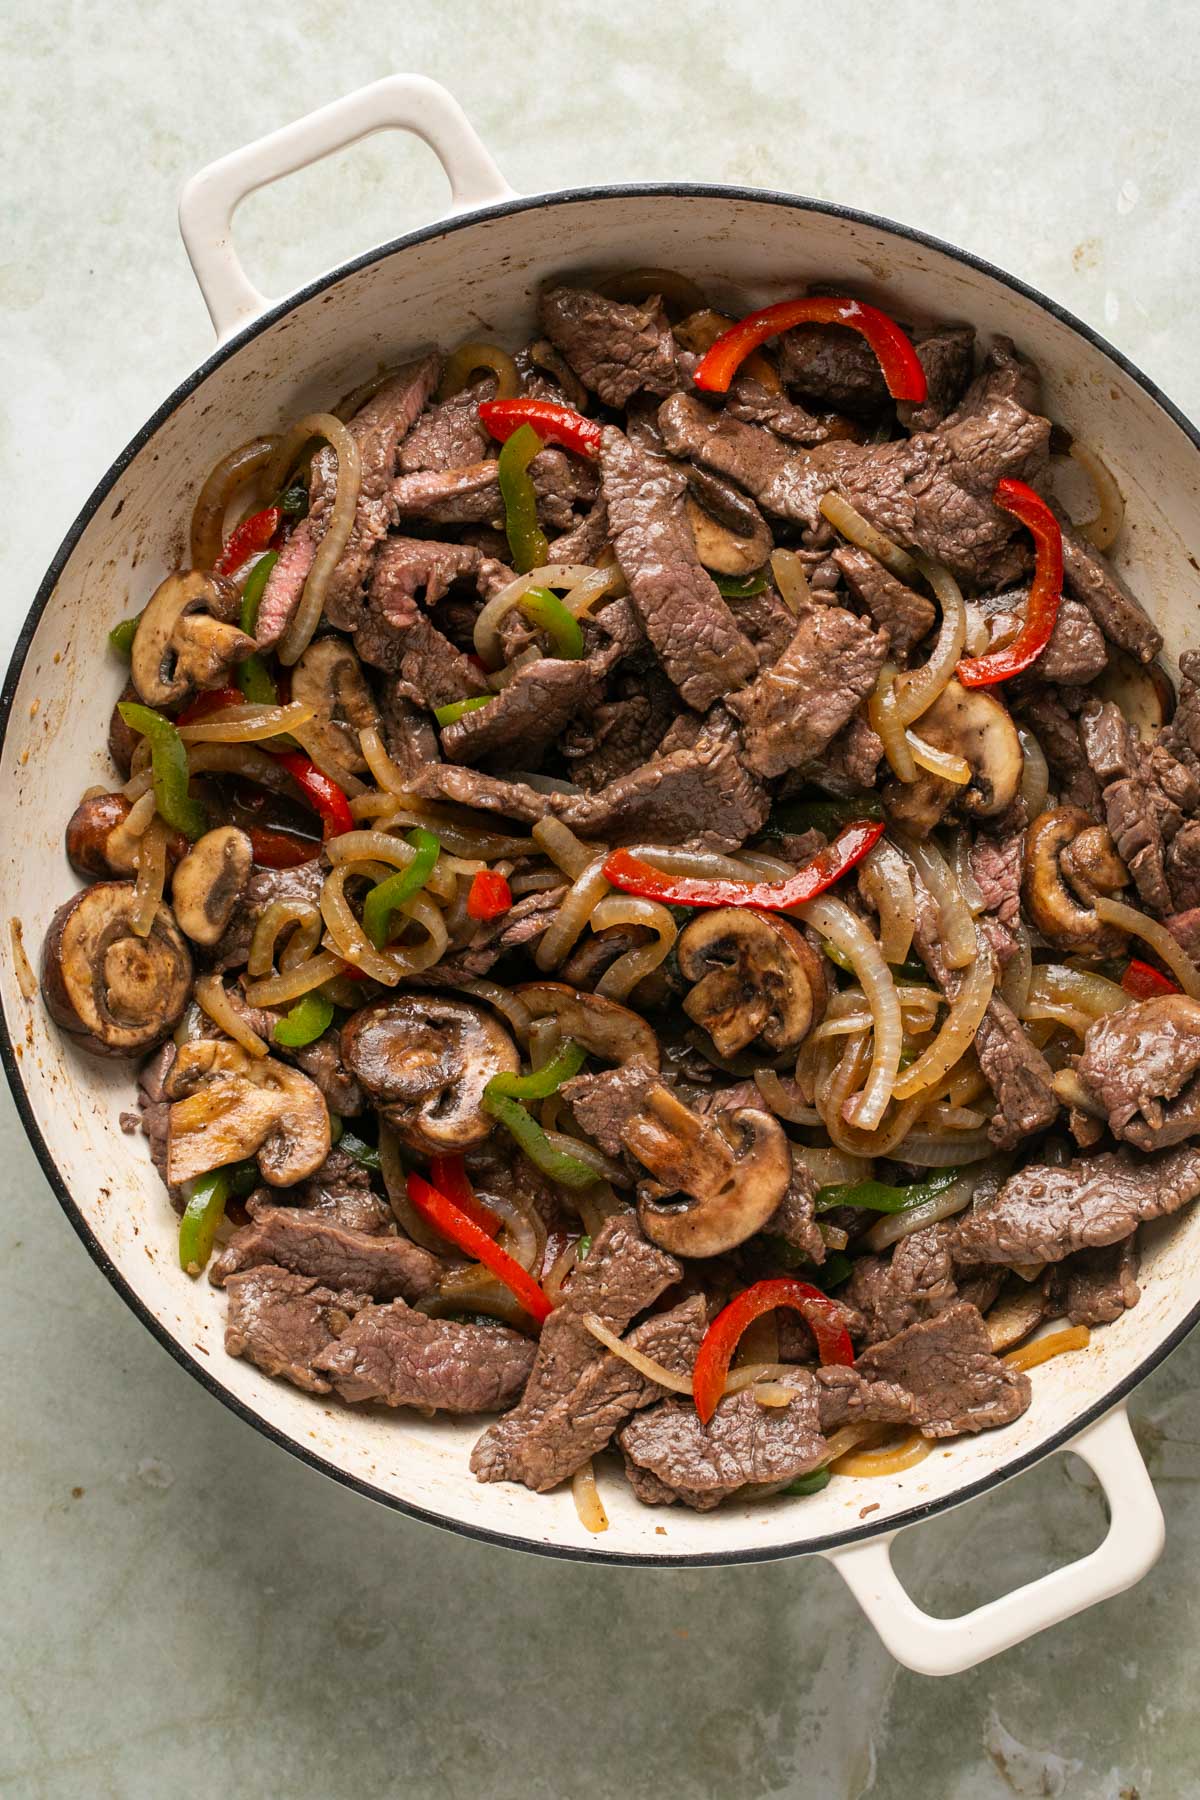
(185, 638)
(756, 976)
(209, 882)
(118, 993)
(98, 842)
(229, 1105)
(425, 1059)
(329, 676)
(1019, 1310)
(1144, 693)
(605, 1029)
(1057, 893)
(732, 537)
(123, 740)
(734, 1186)
(974, 725)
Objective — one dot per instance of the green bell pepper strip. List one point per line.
(201, 1216)
(877, 1196)
(583, 1247)
(169, 766)
(366, 1155)
(308, 1020)
(526, 539)
(386, 896)
(335, 1127)
(244, 1177)
(809, 1484)
(910, 970)
(456, 709)
(547, 612)
(827, 814)
(252, 676)
(121, 636)
(741, 587)
(293, 502)
(524, 1128)
(543, 1082)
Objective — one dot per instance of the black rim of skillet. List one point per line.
(194, 1364)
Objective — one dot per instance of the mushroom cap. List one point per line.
(184, 638)
(209, 882)
(91, 847)
(604, 1027)
(975, 725)
(731, 535)
(755, 975)
(228, 1105)
(425, 1059)
(329, 676)
(1069, 859)
(734, 1186)
(117, 993)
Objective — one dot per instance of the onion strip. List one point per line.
(247, 724)
(1059, 1343)
(1160, 940)
(886, 723)
(338, 525)
(886, 881)
(645, 1365)
(911, 1450)
(151, 878)
(1103, 529)
(212, 502)
(917, 689)
(586, 1496)
(958, 927)
(622, 976)
(834, 920)
(856, 530)
(212, 998)
(791, 579)
(276, 989)
(957, 1033)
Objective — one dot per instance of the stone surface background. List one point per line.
(187, 1612)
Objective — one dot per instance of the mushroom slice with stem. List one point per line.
(734, 1182)
(973, 724)
(329, 677)
(186, 639)
(1143, 692)
(425, 1060)
(755, 976)
(732, 537)
(209, 882)
(606, 1029)
(1069, 861)
(98, 842)
(119, 994)
(228, 1105)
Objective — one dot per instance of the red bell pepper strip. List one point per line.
(322, 793)
(211, 701)
(822, 1315)
(489, 895)
(1145, 982)
(448, 1174)
(454, 1224)
(280, 849)
(899, 361)
(1045, 593)
(633, 876)
(247, 539)
(553, 423)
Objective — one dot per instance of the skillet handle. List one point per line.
(1131, 1546)
(399, 102)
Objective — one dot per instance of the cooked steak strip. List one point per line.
(305, 1242)
(615, 350)
(946, 1367)
(794, 708)
(1102, 1284)
(1142, 1065)
(402, 1358)
(283, 1322)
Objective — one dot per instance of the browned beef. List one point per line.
(687, 621)
(265, 885)
(767, 622)
(1041, 711)
(307, 1243)
(996, 860)
(850, 761)
(1185, 928)
(604, 1101)
(377, 429)
(408, 733)
(622, 1275)
(340, 1192)
(1143, 1066)
(283, 1322)
(834, 367)
(1148, 791)
(794, 708)
(322, 1062)
(471, 495)
(451, 434)
(402, 1358)
(615, 350)
(620, 734)
(1042, 1214)
(899, 610)
(917, 1283)
(154, 1108)
(586, 538)
(396, 632)
(1004, 375)
(1092, 579)
(1076, 652)
(1183, 866)
(743, 1445)
(749, 401)
(794, 1219)
(1103, 1283)
(487, 793)
(523, 923)
(946, 1366)
(1018, 1074)
(946, 355)
(526, 716)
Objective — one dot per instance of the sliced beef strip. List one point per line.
(947, 1368)
(1091, 578)
(377, 429)
(306, 1243)
(622, 733)
(396, 634)
(486, 793)
(283, 1322)
(1041, 711)
(756, 405)
(832, 366)
(603, 1102)
(265, 885)
(622, 1276)
(154, 1108)
(850, 761)
(321, 1060)
(340, 1193)
(451, 434)
(1185, 929)
(743, 1445)
(768, 622)
(528, 715)
(399, 1357)
(523, 923)
(1004, 375)
(690, 625)
(586, 539)
(899, 610)
(408, 732)
(1076, 652)
(996, 860)
(794, 1219)
(1043, 1213)
(1103, 1283)
(614, 349)
(794, 708)
(1143, 1066)
(1146, 792)
(471, 495)
(916, 1283)
(947, 356)
(1183, 866)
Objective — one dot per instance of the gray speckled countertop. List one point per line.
(188, 1612)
